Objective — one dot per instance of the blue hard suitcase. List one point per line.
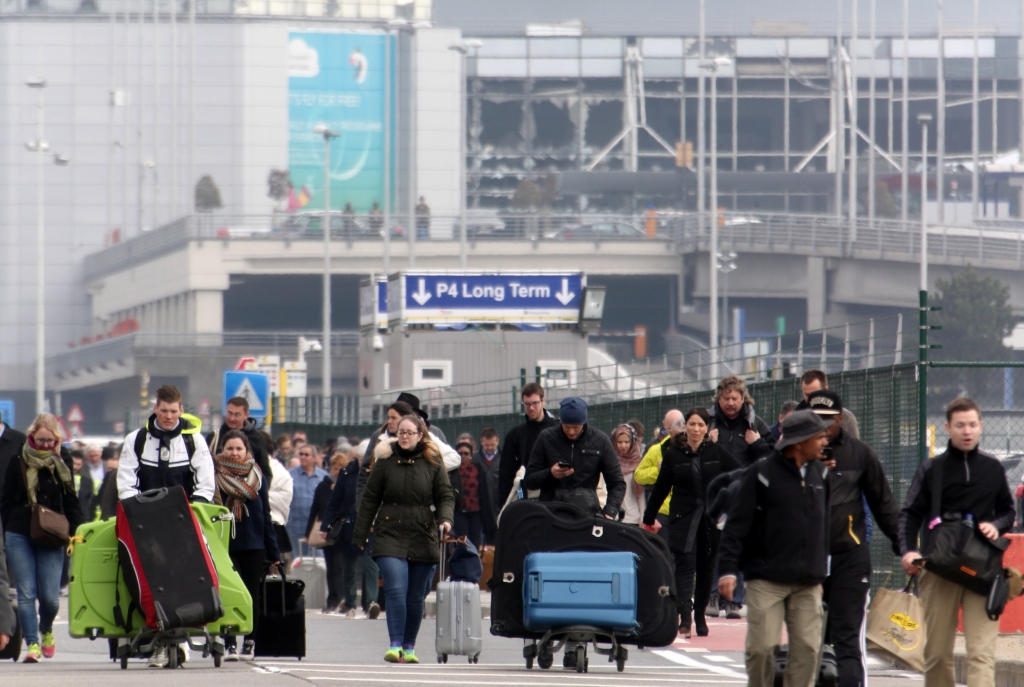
(597, 589)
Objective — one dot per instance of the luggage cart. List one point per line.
(544, 649)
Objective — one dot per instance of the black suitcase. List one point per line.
(12, 652)
(531, 526)
(282, 627)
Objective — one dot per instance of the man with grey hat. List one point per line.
(776, 534)
(855, 476)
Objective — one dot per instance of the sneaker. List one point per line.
(350, 613)
(159, 658)
(230, 653)
(732, 611)
(248, 650)
(49, 645)
(373, 612)
(34, 654)
(409, 656)
(713, 607)
(394, 655)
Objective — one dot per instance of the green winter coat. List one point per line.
(399, 493)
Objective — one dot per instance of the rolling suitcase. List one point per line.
(580, 588)
(533, 526)
(282, 627)
(459, 624)
(312, 570)
(165, 561)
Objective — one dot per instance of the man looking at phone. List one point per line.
(855, 474)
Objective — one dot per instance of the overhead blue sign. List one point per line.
(7, 412)
(253, 387)
(373, 303)
(454, 298)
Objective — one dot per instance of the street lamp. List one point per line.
(725, 264)
(712, 67)
(922, 346)
(923, 119)
(328, 135)
(473, 44)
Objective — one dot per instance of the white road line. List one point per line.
(610, 673)
(718, 658)
(419, 681)
(685, 660)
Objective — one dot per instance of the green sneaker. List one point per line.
(394, 655)
(409, 656)
(49, 645)
(34, 654)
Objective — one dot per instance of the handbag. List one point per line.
(957, 551)
(316, 538)
(47, 527)
(896, 625)
(340, 530)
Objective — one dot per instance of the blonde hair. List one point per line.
(48, 422)
(340, 460)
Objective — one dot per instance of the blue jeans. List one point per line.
(37, 570)
(406, 585)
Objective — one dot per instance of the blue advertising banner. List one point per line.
(454, 298)
(338, 79)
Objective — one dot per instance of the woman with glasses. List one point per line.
(43, 476)
(408, 495)
(468, 522)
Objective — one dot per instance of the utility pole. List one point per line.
(922, 356)
(328, 135)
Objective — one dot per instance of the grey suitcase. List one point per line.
(312, 570)
(459, 625)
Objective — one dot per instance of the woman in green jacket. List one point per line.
(409, 496)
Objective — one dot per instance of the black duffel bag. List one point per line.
(956, 550)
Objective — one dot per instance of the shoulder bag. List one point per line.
(47, 527)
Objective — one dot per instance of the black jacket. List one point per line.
(858, 474)
(973, 483)
(342, 501)
(777, 528)
(686, 474)
(516, 450)
(591, 455)
(731, 434)
(14, 509)
(255, 531)
(87, 496)
(260, 452)
(722, 492)
(10, 446)
(489, 504)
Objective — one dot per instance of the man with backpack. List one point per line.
(776, 534)
(966, 484)
(168, 451)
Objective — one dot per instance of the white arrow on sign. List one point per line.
(565, 295)
(422, 296)
(246, 391)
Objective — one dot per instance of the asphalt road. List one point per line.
(342, 651)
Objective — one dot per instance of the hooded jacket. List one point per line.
(777, 528)
(731, 434)
(136, 474)
(972, 482)
(516, 450)
(591, 456)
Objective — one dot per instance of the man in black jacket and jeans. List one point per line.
(519, 441)
(972, 483)
(855, 474)
(777, 535)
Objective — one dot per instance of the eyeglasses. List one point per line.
(465, 453)
(407, 433)
(45, 442)
(532, 404)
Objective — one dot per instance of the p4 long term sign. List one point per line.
(458, 298)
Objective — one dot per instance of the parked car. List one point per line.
(342, 226)
(597, 230)
(482, 223)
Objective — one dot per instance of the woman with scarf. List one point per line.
(43, 476)
(242, 489)
(689, 462)
(627, 449)
(409, 487)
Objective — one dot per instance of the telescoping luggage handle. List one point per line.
(284, 583)
(441, 542)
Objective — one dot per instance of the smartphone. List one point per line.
(564, 465)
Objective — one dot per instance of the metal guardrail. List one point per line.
(804, 234)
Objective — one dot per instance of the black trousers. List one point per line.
(699, 561)
(470, 525)
(251, 567)
(846, 593)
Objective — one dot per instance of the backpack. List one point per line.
(140, 444)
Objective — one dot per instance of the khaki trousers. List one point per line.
(941, 600)
(769, 604)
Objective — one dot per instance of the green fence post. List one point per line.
(922, 377)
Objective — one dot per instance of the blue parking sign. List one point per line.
(253, 387)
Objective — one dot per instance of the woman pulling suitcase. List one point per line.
(690, 461)
(408, 477)
(41, 476)
(242, 489)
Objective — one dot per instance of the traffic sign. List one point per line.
(7, 411)
(244, 362)
(467, 297)
(75, 415)
(253, 387)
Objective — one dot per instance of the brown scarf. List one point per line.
(238, 482)
(628, 461)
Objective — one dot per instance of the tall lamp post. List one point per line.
(922, 355)
(328, 135)
(712, 67)
(725, 263)
(41, 148)
(463, 50)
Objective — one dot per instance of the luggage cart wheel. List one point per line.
(529, 663)
(172, 656)
(581, 658)
(620, 664)
(545, 659)
(124, 662)
(217, 660)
